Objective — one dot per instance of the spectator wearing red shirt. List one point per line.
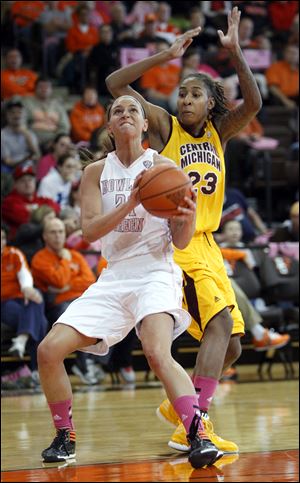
(86, 116)
(22, 306)
(18, 205)
(15, 80)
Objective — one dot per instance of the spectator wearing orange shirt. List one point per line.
(80, 40)
(24, 15)
(22, 306)
(86, 116)
(15, 80)
(61, 274)
(160, 81)
(283, 78)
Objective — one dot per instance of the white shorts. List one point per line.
(122, 296)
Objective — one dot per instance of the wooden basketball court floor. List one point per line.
(119, 437)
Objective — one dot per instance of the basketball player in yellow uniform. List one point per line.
(196, 140)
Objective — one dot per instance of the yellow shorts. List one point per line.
(207, 289)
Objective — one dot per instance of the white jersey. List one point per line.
(140, 233)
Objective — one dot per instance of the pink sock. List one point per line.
(62, 414)
(186, 407)
(205, 388)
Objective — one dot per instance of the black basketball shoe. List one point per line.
(62, 447)
(203, 452)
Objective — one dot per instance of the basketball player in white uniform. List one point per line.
(140, 288)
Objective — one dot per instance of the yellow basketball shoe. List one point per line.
(179, 440)
(220, 443)
(166, 413)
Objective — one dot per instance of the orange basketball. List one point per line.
(162, 189)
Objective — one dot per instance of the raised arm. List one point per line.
(118, 85)
(230, 124)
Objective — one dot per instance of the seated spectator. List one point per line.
(57, 183)
(208, 38)
(192, 62)
(18, 143)
(139, 12)
(86, 116)
(22, 306)
(102, 61)
(289, 231)
(263, 339)
(29, 235)
(15, 80)
(281, 15)
(258, 13)
(165, 28)
(283, 78)
(246, 36)
(272, 272)
(62, 275)
(239, 151)
(216, 13)
(75, 240)
(80, 40)
(24, 15)
(82, 36)
(148, 37)
(23, 200)
(45, 115)
(236, 207)
(122, 31)
(52, 27)
(60, 145)
(160, 81)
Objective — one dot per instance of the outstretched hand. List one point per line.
(231, 39)
(183, 42)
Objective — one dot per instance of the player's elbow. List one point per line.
(88, 234)
(181, 242)
(111, 84)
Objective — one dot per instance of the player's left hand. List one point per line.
(187, 212)
(231, 39)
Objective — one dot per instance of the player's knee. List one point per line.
(221, 325)
(157, 358)
(46, 354)
(234, 350)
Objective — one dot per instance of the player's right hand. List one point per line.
(183, 42)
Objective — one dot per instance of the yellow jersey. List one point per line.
(202, 158)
